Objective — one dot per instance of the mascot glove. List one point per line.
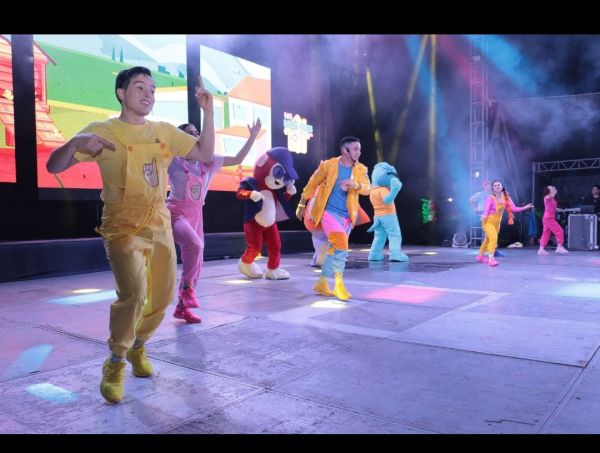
(291, 189)
(256, 196)
(395, 184)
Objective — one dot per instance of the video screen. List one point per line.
(242, 93)
(8, 171)
(74, 86)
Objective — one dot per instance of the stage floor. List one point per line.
(441, 344)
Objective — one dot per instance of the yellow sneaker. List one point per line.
(322, 287)
(141, 365)
(340, 290)
(113, 375)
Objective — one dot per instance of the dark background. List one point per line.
(324, 79)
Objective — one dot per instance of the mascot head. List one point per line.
(383, 173)
(274, 169)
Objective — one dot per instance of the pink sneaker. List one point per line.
(492, 262)
(481, 259)
(188, 298)
(187, 314)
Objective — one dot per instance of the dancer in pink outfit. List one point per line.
(189, 183)
(495, 205)
(550, 224)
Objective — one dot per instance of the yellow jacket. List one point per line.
(326, 176)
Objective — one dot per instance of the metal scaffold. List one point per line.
(478, 127)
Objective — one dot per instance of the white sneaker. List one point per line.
(561, 249)
(542, 252)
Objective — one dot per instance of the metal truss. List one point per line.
(479, 103)
(562, 165)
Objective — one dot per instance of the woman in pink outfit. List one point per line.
(189, 183)
(495, 205)
(550, 224)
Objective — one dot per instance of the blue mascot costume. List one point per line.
(385, 187)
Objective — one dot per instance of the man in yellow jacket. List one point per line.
(340, 180)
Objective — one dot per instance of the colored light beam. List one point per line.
(28, 362)
(512, 63)
(459, 175)
(86, 291)
(585, 290)
(371, 92)
(85, 298)
(409, 96)
(405, 294)
(448, 48)
(432, 118)
(52, 393)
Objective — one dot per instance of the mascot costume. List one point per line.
(266, 201)
(385, 186)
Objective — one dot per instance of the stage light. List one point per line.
(86, 290)
(460, 240)
(329, 303)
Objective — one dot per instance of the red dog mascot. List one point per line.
(266, 197)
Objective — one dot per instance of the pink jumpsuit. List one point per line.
(550, 224)
(189, 184)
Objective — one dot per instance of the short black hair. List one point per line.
(597, 186)
(126, 75)
(348, 139)
(183, 126)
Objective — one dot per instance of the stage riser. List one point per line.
(42, 259)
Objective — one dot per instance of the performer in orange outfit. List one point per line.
(319, 238)
(341, 180)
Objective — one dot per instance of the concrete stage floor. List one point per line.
(441, 344)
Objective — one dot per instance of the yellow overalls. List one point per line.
(491, 228)
(139, 245)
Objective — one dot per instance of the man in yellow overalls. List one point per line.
(133, 155)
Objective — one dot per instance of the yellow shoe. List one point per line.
(340, 290)
(322, 287)
(113, 375)
(141, 365)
